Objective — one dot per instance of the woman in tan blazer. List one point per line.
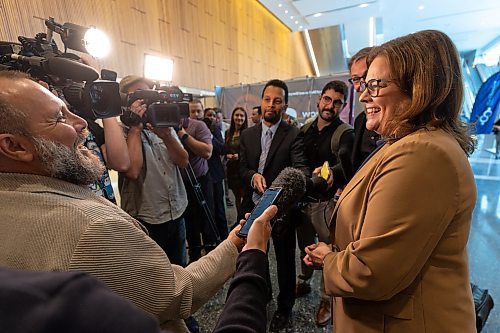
(400, 229)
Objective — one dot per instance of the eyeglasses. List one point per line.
(327, 100)
(355, 79)
(373, 86)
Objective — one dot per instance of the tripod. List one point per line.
(195, 185)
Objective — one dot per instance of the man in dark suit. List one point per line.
(265, 150)
(365, 140)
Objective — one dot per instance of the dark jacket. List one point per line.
(215, 166)
(42, 302)
(245, 308)
(286, 151)
(365, 141)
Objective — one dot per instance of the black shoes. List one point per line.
(280, 320)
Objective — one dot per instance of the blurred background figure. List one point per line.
(239, 122)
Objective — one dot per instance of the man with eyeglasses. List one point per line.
(365, 140)
(326, 138)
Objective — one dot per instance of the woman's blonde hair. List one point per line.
(426, 66)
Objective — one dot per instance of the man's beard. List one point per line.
(328, 119)
(66, 164)
(272, 118)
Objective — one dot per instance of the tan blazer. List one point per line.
(402, 225)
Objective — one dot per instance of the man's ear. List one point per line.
(16, 147)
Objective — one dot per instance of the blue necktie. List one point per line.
(266, 144)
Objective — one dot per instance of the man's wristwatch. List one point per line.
(184, 137)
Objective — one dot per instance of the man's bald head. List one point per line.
(12, 119)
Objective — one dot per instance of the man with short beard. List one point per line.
(278, 147)
(51, 221)
(326, 139)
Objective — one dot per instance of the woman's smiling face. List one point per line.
(387, 97)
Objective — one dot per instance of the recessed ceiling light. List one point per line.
(421, 7)
(291, 17)
(286, 11)
(363, 5)
(317, 14)
(280, 5)
(300, 27)
(296, 22)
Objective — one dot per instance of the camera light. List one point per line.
(96, 43)
(158, 68)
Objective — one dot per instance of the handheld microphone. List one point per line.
(288, 187)
(293, 184)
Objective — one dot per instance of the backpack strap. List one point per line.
(335, 142)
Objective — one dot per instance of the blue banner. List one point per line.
(486, 105)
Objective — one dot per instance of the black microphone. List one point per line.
(62, 67)
(293, 184)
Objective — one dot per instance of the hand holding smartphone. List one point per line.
(269, 198)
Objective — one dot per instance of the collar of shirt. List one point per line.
(273, 129)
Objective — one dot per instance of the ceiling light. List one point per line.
(317, 14)
(421, 7)
(363, 5)
(280, 5)
(296, 22)
(291, 17)
(286, 11)
(300, 27)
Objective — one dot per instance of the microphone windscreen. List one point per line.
(293, 184)
(70, 69)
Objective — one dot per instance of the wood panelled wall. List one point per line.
(212, 42)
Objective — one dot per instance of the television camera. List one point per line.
(167, 106)
(77, 83)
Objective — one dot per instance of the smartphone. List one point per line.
(268, 198)
(325, 171)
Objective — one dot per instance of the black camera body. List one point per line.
(74, 81)
(167, 107)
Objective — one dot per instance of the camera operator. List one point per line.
(50, 222)
(152, 190)
(197, 140)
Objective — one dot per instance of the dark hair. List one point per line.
(279, 84)
(259, 109)
(209, 109)
(12, 119)
(426, 67)
(363, 53)
(232, 128)
(337, 86)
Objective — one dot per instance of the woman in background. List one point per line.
(239, 121)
